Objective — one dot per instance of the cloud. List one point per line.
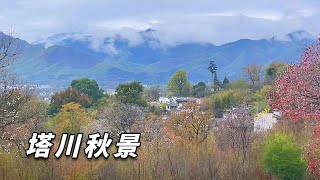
(175, 21)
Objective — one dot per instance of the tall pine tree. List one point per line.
(213, 69)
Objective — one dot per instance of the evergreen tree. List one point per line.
(216, 82)
(213, 69)
(225, 81)
(199, 90)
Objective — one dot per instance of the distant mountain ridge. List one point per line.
(113, 60)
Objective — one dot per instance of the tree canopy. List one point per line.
(68, 96)
(253, 74)
(199, 90)
(225, 81)
(89, 87)
(152, 93)
(71, 118)
(273, 71)
(130, 93)
(179, 84)
(284, 158)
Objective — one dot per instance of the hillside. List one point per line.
(64, 57)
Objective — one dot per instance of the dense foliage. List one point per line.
(69, 95)
(130, 93)
(179, 84)
(89, 87)
(283, 158)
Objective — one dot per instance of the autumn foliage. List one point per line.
(297, 91)
(192, 123)
(67, 96)
(297, 95)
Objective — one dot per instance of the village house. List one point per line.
(261, 122)
(175, 103)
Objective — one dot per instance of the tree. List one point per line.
(179, 84)
(296, 94)
(199, 90)
(283, 158)
(236, 132)
(192, 123)
(103, 102)
(153, 128)
(13, 99)
(216, 82)
(239, 84)
(225, 81)
(213, 69)
(130, 93)
(253, 73)
(89, 87)
(28, 120)
(235, 137)
(273, 71)
(227, 99)
(120, 118)
(68, 96)
(13, 95)
(9, 49)
(71, 119)
(261, 103)
(152, 93)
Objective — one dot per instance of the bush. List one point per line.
(283, 158)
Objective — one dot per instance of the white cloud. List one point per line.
(175, 21)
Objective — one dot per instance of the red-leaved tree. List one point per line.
(296, 94)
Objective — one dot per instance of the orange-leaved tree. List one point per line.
(191, 123)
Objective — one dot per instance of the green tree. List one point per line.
(213, 69)
(227, 99)
(283, 158)
(216, 82)
(104, 102)
(130, 93)
(179, 84)
(89, 87)
(261, 103)
(199, 90)
(238, 84)
(273, 71)
(225, 81)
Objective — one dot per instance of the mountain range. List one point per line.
(61, 58)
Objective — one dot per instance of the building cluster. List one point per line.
(176, 103)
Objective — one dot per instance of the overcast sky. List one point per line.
(175, 21)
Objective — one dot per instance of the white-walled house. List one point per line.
(175, 103)
(164, 100)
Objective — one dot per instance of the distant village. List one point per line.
(262, 121)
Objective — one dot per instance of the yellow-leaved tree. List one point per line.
(71, 119)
